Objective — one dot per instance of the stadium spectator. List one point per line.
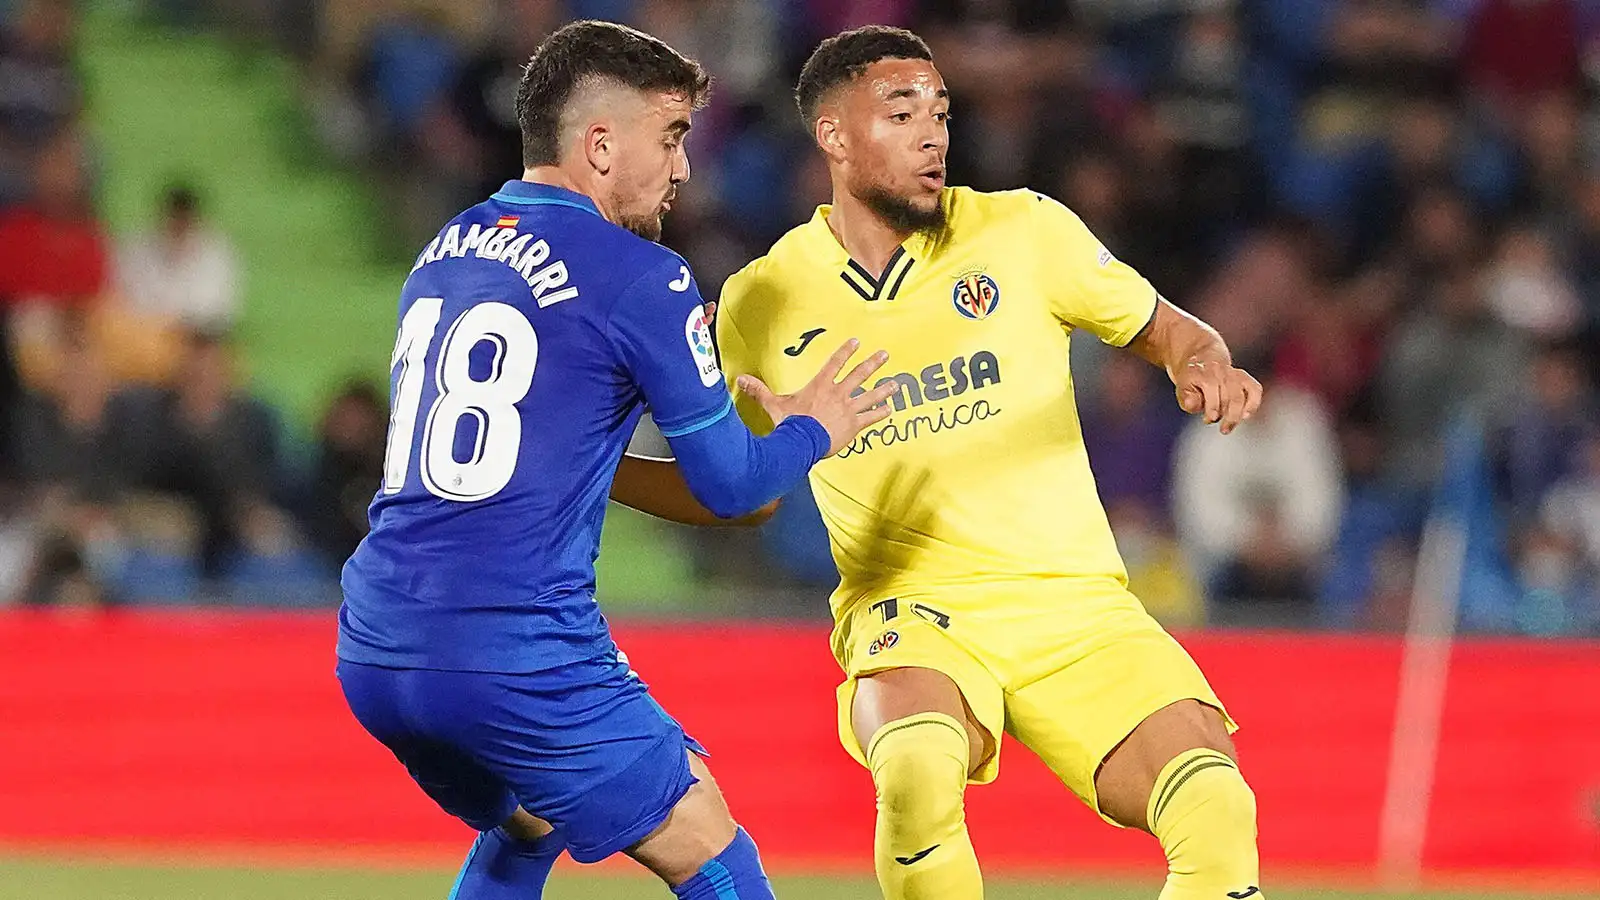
(52, 250)
(1514, 50)
(1541, 442)
(208, 441)
(1571, 520)
(1448, 357)
(40, 91)
(1259, 508)
(184, 272)
(63, 522)
(1130, 426)
(347, 471)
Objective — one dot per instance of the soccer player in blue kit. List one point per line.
(534, 330)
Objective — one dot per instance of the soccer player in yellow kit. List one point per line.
(980, 588)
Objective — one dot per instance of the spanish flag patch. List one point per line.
(508, 221)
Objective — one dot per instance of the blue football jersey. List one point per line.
(533, 334)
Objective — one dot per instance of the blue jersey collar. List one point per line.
(528, 193)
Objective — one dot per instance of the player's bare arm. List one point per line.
(1197, 360)
(656, 487)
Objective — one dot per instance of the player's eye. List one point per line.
(942, 117)
(901, 117)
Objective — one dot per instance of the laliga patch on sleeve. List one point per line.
(1105, 256)
(698, 335)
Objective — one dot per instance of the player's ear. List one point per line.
(599, 147)
(830, 137)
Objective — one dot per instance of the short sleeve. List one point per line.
(1089, 287)
(737, 358)
(659, 328)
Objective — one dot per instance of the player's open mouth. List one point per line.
(933, 178)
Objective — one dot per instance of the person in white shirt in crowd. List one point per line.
(1256, 511)
(185, 272)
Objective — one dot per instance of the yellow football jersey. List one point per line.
(980, 475)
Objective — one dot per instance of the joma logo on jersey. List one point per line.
(936, 382)
(975, 295)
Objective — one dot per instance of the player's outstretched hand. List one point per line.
(841, 406)
(1221, 392)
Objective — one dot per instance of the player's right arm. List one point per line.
(657, 487)
(657, 326)
(1099, 292)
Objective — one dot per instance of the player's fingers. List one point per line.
(1253, 394)
(877, 397)
(1233, 406)
(757, 390)
(1190, 400)
(1230, 403)
(864, 370)
(1211, 390)
(710, 309)
(872, 416)
(829, 373)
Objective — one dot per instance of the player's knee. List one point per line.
(919, 765)
(1204, 813)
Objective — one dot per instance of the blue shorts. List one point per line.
(584, 747)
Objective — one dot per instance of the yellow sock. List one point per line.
(919, 765)
(1205, 817)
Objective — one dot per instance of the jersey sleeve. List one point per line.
(737, 357)
(1088, 287)
(659, 329)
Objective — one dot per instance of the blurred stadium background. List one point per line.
(1391, 209)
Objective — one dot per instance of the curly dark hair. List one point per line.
(587, 51)
(843, 58)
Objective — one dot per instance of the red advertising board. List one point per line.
(197, 730)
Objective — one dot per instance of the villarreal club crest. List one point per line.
(975, 295)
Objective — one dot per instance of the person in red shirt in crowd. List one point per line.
(52, 249)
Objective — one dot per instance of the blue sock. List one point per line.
(735, 874)
(499, 867)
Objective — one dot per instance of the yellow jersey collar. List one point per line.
(827, 247)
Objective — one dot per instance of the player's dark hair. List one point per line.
(589, 51)
(844, 57)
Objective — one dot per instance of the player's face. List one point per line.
(650, 162)
(894, 133)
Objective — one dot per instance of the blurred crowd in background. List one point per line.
(1390, 208)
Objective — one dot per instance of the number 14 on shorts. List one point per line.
(890, 610)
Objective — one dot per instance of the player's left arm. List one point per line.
(656, 487)
(1091, 289)
(1197, 360)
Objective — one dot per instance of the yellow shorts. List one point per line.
(1067, 669)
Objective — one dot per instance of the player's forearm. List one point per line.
(656, 487)
(1175, 339)
(733, 473)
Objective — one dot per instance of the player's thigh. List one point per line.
(893, 694)
(1075, 717)
(909, 665)
(390, 705)
(591, 752)
(697, 829)
(1129, 772)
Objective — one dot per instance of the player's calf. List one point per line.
(1175, 776)
(510, 862)
(700, 851)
